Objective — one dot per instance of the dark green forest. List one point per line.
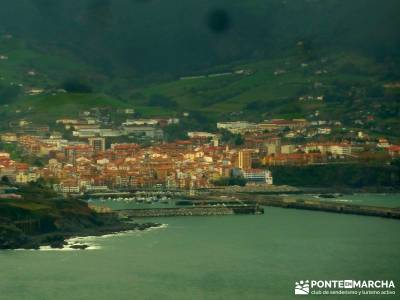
(340, 176)
(158, 38)
(134, 53)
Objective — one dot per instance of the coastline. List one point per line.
(32, 223)
(87, 242)
(58, 239)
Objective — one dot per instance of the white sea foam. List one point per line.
(20, 250)
(162, 226)
(71, 243)
(90, 241)
(343, 200)
(85, 239)
(48, 248)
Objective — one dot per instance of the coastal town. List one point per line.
(92, 153)
(202, 150)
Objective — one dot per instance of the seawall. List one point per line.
(365, 210)
(192, 211)
(286, 202)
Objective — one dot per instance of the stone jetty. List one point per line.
(291, 202)
(192, 211)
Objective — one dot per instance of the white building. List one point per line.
(238, 126)
(141, 122)
(200, 134)
(258, 176)
(324, 130)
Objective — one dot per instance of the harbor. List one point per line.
(206, 203)
(292, 202)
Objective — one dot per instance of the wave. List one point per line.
(116, 234)
(343, 200)
(69, 247)
(73, 244)
(90, 241)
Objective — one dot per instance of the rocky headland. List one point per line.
(39, 219)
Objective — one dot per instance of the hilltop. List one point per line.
(296, 84)
(158, 39)
(248, 60)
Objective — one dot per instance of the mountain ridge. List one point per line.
(285, 68)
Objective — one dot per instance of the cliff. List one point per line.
(39, 219)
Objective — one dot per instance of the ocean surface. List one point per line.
(382, 200)
(224, 257)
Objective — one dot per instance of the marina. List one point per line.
(149, 205)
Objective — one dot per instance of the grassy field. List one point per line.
(267, 92)
(50, 68)
(270, 89)
(44, 107)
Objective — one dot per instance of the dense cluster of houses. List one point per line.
(92, 160)
(182, 164)
(16, 171)
(292, 128)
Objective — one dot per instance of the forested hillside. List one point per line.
(253, 59)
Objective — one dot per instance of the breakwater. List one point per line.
(192, 211)
(291, 202)
(335, 207)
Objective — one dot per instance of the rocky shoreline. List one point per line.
(37, 220)
(59, 239)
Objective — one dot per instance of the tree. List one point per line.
(239, 140)
(76, 86)
(375, 91)
(8, 93)
(229, 181)
(255, 105)
(5, 180)
(175, 132)
(162, 101)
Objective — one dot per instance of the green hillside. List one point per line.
(35, 66)
(253, 89)
(133, 54)
(273, 87)
(50, 107)
(24, 68)
(159, 39)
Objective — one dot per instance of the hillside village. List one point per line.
(91, 153)
(225, 126)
